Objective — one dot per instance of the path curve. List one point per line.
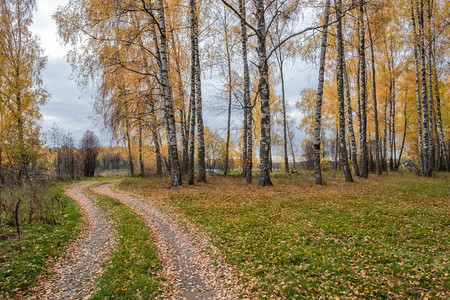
(190, 270)
(75, 274)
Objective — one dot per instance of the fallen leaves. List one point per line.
(376, 238)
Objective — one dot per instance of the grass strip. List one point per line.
(131, 272)
(23, 261)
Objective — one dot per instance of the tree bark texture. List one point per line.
(192, 106)
(318, 115)
(375, 103)
(168, 108)
(248, 111)
(227, 149)
(426, 122)
(198, 101)
(420, 143)
(354, 152)
(340, 84)
(263, 87)
(362, 61)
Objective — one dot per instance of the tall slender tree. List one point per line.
(248, 115)
(427, 148)
(364, 162)
(354, 154)
(318, 114)
(198, 99)
(375, 102)
(340, 86)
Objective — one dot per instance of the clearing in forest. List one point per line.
(386, 236)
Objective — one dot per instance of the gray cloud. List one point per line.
(66, 108)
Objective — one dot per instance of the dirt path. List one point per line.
(75, 274)
(188, 257)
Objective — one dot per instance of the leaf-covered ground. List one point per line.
(131, 273)
(383, 237)
(23, 260)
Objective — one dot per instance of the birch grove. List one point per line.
(381, 102)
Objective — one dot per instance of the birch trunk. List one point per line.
(283, 94)
(227, 150)
(168, 109)
(198, 101)
(263, 87)
(439, 122)
(354, 154)
(426, 147)
(192, 106)
(405, 127)
(292, 148)
(130, 156)
(385, 133)
(159, 162)
(318, 118)
(419, 115)
(141, 158)
(375, 104)
(418, 102)
(432, 125)
(394, 113)
(185, 140)
(248, 112)
(363, 117)
(155, 138)
(340, 84)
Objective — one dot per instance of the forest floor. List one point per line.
(130, 248)
(383, 237)
(76, 272)
(192, 266)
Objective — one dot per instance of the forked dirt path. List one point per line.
(75, 274)
(190, 263)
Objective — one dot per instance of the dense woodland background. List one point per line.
(382, 96)
(382, 101)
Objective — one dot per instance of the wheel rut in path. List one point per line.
(75, 274)
(187, 257)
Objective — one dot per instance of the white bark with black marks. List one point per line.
(168, 108)
(354, 151)
(364, 161)
(248, 111)
(198, 101)
(375, 103)
(340, 85)
(425, 112)
(318, 116)
(192, 106)
(264, 94)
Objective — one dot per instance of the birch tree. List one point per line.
(340, 86)
(318, 113)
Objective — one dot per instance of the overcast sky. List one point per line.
(66, 107)
(72, 110)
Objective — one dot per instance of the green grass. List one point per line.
(22, 261)
(131, 271)
(385, 237)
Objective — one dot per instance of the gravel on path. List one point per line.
(76, 272)
(192, 265)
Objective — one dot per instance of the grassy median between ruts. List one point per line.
(131, 272)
